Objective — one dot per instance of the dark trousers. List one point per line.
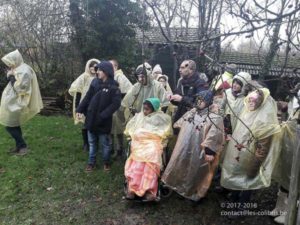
(85, 136)
(16, 133)
(241, 196)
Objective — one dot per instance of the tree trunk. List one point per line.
(271, 53)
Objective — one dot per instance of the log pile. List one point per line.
(55, 106)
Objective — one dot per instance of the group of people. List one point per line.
(228, 128)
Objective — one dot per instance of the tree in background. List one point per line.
(40, 30)
(105, 29)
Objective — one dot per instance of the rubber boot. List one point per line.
(281, 204)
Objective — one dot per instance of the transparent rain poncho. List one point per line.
(21, 101)
(81, 85)
(187, 172)
(148, 136)
(289, 146)
(241, 169)
(138, 93)
(233, 105)
(125, 85)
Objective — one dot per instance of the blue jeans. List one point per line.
(104, 140)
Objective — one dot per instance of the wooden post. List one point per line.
(291, 218)
(298, 217)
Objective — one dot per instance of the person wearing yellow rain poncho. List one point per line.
(196, 153)
(78, 90)
(226, 77)
(233, 101)
(149, 131)
(146, 87)
(251, 153)
(163, 79)
(118, 125)
(283, 168)
(21, 99)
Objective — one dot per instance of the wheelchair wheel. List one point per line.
(165, 192)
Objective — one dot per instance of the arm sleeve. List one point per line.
(23, 84)
(214, 138)
(261, 152)
(78, 96)
(82, 108)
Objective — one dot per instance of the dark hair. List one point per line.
(238, 81)
(141, 70)
(162, 77)
(93, 64)
(149, 105)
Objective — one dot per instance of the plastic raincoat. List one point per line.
(171, 108)
(125, 85)
(187, 172)
(219, 80)
(138, 93)
(233, 105)
(289, 144)
(81, 85)
(22, 101)
(249, 163)
(148, 134)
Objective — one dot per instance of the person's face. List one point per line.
(236, 87)
(184, 69)
(147, 110)
(252, 103)
(163, 81)
(92, 69)
(142, 79)
(201, 104)
(101, 75)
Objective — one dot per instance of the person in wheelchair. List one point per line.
(149, 131)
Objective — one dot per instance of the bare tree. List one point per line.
(40, 29)
(272, 16)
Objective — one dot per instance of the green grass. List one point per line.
(49, 185)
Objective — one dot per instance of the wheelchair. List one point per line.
(163, 191)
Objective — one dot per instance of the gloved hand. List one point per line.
(11, 79)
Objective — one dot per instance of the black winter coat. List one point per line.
(188, 88)
(99, 105)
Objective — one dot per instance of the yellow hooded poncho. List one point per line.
(149, 134)
(81, 85)
(238, 161)
(236, 104)
(22, 101)
(125, 85)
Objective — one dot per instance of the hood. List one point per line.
(148, 69)
(266, 93)
(157, 69)
(13, 59)
(87, 66)
(244, 77)
(207, 96)
(107, 68)
(164, 76)
(155, 102)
